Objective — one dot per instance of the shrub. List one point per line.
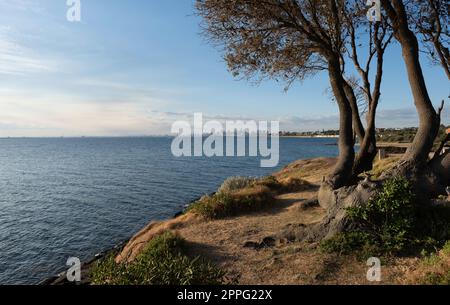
(214, 206)
(433, 222)
(161, 263)
(222, 205)
(345, 243)
(389, 217)
(286, 185)
(392, 222)
(235, 184)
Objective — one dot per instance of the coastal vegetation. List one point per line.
(433, 269)
(264, 244)
(162, 262)
(393, 222)
(239, 195)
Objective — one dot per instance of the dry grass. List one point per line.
(225, 241)
(143, 237)
(432, 270)
(381, 166)
(312, 170)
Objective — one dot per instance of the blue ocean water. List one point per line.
(62, 197)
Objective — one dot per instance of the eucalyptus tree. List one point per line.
(292, 40)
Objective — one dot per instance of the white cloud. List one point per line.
(17, 59)
(34, 113)
(70, 116)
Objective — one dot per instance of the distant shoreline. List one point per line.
(312, 137)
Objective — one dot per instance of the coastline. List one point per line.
(60, 278)
(253, 246)
(312, 137)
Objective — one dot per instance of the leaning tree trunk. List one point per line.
(414, 165)
(428, 120)
(342, 173)
(358, 126)
(367, 153)
(343, 170)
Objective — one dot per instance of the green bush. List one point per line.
(215, 206)
(392, 222)
(161, 263)
(389, 216)
(345, 243)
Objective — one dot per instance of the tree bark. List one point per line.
(367, 139)
(356, 118)
(428, 121)
(343, 170)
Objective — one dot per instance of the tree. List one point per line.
(292, 40)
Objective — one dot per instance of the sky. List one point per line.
(132, 68)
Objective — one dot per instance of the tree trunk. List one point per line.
(343, 170)
(357, 124)
(419, 150)
(367, 139)
(367, 153)
(428, 120)
(441, 167)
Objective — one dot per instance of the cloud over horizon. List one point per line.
(61, 115)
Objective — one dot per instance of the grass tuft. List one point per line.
(161, 263)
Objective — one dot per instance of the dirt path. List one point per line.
(224, 243)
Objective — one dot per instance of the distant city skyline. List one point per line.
(132, 68)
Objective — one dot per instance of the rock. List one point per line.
(251, 244)
(268, 242)
(309, 204)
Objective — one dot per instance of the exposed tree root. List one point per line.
(336, 202)
(428, 181)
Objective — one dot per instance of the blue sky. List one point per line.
(133, 67)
